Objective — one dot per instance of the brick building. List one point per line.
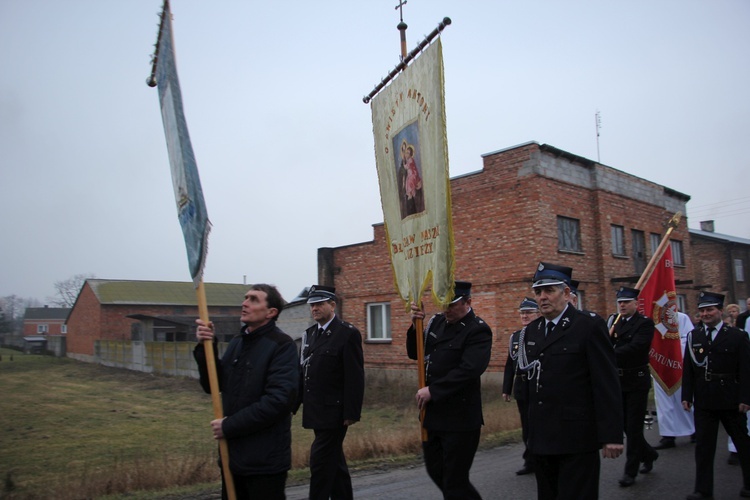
(529, 203)
(116, 310)
(722, 262)
(44, 328)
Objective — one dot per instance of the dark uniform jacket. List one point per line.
(728, 369)
(632, 343)
(575, 403)
(259, 379)
(456, 355)
(513, 379)
(334, 376)
(742, 323)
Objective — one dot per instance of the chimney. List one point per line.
(707, 225)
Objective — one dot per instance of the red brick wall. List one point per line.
(504, 223)
(89, 320)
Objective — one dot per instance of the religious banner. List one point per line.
(411, 153)
(191, 208)
(658, 301)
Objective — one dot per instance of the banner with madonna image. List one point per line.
(411, 153)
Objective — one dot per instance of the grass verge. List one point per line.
(72, 430)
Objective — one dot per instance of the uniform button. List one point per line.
(540, 402)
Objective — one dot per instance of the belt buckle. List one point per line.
(619, 372)
(707, 376)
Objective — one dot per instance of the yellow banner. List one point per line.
(411, 153)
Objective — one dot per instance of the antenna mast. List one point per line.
(598, 119)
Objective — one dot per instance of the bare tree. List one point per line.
(67, 290)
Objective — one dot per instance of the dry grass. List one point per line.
(71, 430)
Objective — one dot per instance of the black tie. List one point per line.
(550, 327)
(711, 334)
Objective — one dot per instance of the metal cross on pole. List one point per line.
(402, 27)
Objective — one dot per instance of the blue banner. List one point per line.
(191, 208)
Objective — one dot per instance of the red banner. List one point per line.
(658, 301)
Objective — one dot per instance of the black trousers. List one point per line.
(637, 449)
(448, 457)
(523, 411)
(567, 477)
(329, 475)
(266, 486)
(706, 430)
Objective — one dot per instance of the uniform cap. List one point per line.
(707, 299)
(625, 294)
(320, 293)
(461, 290)
(528, 304)
(551, 274)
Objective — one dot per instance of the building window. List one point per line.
(42, 328)
(655, 240)
(739, 270)
(379, 321)
(568, 234)
(639, 251)
(63, 328)
(681, 303)
(618, 240)
(677, 255)
(581, 300)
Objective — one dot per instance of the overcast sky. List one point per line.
(273, 99)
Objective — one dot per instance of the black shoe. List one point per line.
(733, 459)
(648, 465)
(627, 481)
(699, 496)
(666, 442)
(526, 469)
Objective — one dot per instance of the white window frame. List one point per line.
(678, 256)
(381, 311)
(739, 270)
(42, 328)
(618, 240)
(64, 328)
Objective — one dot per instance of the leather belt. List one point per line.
(622, 371)
(709, 376)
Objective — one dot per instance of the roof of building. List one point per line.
(719, 237)
(47, 313)
(173, 293)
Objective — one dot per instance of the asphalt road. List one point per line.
(493, 474)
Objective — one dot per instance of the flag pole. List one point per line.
(197, 274)
(419, 322)
(672, 223)
(213, 382)
(405, 60)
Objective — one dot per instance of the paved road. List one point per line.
(493, 474)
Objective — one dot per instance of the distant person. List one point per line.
(673, 420)
(631, 338)
(716, 383)
(258, 379)
(334, 386)
(514, 381)
(731, 312)
(742, 323)
(575, 407)
(458, 345)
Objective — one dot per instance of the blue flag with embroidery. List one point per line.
(191, 208)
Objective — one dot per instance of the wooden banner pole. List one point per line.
(213, 382)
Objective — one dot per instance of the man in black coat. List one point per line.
(742, 322)
(716, 381)
(631, 336)
(259, 379)
(334, 387)
(575, 408)
(514, 381)
(457, 351)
